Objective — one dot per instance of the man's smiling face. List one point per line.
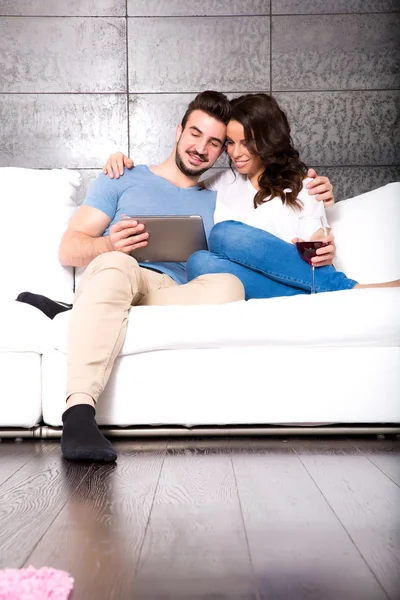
(199, 144)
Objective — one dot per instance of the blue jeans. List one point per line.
(267, 266)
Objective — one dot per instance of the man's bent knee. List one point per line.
(116, 263)
(114, 269)
(113, 259)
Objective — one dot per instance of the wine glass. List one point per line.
(309, 232)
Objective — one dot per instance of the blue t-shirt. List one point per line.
(141, 192)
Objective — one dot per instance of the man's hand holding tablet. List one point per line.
(128, 235)
(173, 237)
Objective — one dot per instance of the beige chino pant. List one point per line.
(111, 284)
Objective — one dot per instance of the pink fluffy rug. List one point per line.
(35, 584)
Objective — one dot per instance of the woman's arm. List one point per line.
(326, 254)
(321, 188)
(117, 162)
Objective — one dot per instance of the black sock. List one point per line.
(49, 307)
(82, 439)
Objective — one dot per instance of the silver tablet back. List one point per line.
(171, 238)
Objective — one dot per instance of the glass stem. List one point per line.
(313, 280)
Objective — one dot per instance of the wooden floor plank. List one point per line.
(30, 501)
(195, 545)
(14, 455)
(298, 547)
(385, 454)
(98, 535)
(365, 500)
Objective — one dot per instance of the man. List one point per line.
(114, 281)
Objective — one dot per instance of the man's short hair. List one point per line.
(215, 104)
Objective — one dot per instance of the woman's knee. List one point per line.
(225, 234)
(199, 263)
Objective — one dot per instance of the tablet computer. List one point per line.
(171, 238)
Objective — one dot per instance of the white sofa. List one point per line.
(264, 365)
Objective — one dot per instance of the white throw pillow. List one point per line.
(35, 208)
(366, 230)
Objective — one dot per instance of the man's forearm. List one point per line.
(78, 249)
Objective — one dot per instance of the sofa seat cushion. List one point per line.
(365, 317)
(242, 385)
(23, 328)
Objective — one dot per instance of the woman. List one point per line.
(259, 202)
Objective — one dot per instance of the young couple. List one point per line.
(267, 173)
(259, 202)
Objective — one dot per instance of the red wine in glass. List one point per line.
(308, 250)
(309, 228)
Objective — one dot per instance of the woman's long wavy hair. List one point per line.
(267, 134)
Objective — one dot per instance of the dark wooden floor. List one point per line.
(209, 518)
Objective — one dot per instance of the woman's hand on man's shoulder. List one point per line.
(115, 164)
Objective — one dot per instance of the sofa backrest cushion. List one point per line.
(35, 208)
(366, 230)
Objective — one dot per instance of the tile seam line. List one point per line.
(337, 14)
(127, 76)
(226, 16)
(63, 17)
(325, 166)
(177, 93)
(270, 50)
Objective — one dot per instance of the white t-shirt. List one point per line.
(235, 195)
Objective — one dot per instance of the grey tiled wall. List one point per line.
(82, 78)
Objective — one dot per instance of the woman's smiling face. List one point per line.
(245, 162)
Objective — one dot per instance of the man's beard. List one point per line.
(187, 170)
